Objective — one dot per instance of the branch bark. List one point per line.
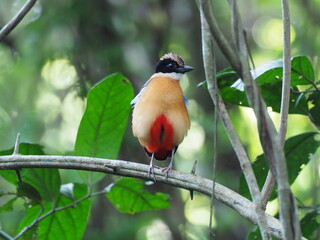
(219, 37)
(285, 96)
(16, 19)
(269, 138)
(243, 158)
(130, 169)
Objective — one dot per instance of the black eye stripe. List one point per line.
(166, 66)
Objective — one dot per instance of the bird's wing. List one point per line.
(136, 98)
(185, 100)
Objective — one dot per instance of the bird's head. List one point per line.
(172, 63)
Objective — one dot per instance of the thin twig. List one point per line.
(27, 228)
(289, 214)
(214, 163)
(16, 19)
(314, 84)
(210, 65)
(17, 144)
(15, 152)
(5, 235)
(177, 179)
(54, 210)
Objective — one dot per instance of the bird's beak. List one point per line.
(184, 69)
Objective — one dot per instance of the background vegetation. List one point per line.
(62, 48)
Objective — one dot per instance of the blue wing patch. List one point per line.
(136, 98)
(185, 100)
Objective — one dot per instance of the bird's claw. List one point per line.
(151, 173)
(166, 170)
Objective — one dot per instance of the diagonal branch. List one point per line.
(124, 168)
(16, 19)
(245, 163)
(219, 37)
(285, 98)
(270, 140)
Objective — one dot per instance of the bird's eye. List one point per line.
(170, 66)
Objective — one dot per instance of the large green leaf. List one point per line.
(68, 224)
(104, 121)
(269, 79)
(297, 151)
(129, 196)
(45, 181)
(310, 225)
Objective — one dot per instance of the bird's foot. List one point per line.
(166, 170)
(151, 172)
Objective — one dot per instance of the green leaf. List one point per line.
(302, 71)
(269, 79)
(297, 151)
(32, 234)
(314, 111)
(8, 206)
(128, 196)
(68, 224)
(104, 121)
(310, 225)
(30, 192)
(46, 181)
(25, 148)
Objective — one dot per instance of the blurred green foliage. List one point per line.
(62, 48)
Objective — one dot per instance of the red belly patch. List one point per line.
(161, 134)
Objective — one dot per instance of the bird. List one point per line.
(160, 118)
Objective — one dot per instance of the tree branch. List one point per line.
(218, 36)
(270, 141)
(289, 214)
(285, 98)
(224, 116)
(269, 138)
(16, 19)
(130, 169)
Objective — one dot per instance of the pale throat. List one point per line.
(173, 75)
